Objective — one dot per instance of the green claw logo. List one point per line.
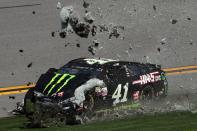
(59, 78)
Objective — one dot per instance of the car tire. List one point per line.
(88, 109)
(86, 114)
(147, 93)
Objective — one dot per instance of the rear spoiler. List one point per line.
(154, 65)
(158, 66)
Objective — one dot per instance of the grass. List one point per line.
(182, 121)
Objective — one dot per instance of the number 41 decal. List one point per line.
(117, 94)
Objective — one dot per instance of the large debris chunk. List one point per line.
(92, 50)
(174, 21)
(115, 31)
(59, 5)
(70, 23)
(103, 28)
(89, 18)
(85, 4)
(62, 34)
(96, 43)
(65, 14)
(94, 30)
(82, 29)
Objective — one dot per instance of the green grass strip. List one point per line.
(175, 121)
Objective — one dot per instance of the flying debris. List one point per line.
(70, 22)
(174, 21)
(29, 65)
(89, 18)
(85, 4)
(94, 30)
(115, 31)
(59, 5)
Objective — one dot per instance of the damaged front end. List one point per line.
(44, 111)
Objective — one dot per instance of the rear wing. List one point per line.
(153, 66)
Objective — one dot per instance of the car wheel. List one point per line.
(85, 115)
(147, 93)
(89, 103)
(88, 109)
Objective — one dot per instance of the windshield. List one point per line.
(74, 69)
(68, 70)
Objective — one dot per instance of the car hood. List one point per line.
(54, 83)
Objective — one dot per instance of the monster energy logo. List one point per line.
(61, 80)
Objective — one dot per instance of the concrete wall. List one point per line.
(146, 24)
(156, 31)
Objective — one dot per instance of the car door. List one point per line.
(119, 82)
(134, 83)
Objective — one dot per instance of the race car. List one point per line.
(85, 85)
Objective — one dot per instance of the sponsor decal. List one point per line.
(60, 80)
(52, 80)
(148, 78)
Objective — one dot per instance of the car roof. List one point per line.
(99, 62)
(92, 61)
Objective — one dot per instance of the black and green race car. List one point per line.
(85, 85)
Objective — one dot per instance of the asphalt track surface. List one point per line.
(156, 31)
